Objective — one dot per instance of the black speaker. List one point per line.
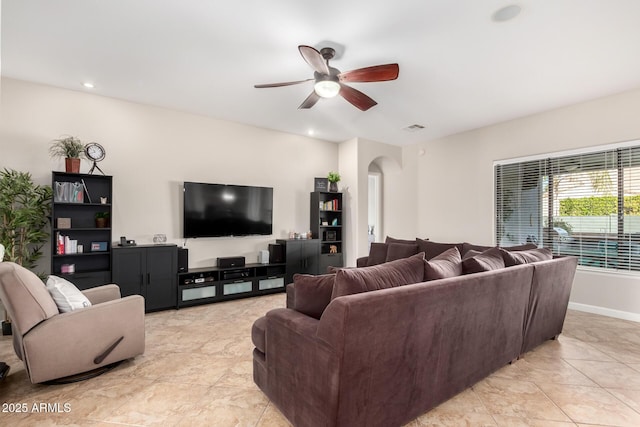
(231, 261)
(183, 260)
(276, 253)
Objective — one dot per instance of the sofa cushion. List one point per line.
(524, 247)
(401, 241)
(258, 333)
(488, 260)
(377, 253)
(466, 247)
(525, 257)
(447, 264)
(65, 294)
(401, 250)
(312, 293)
(433, 249)
(388, 275)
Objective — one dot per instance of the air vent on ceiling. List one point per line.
(414, 128)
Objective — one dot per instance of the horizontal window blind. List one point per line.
(585, 205)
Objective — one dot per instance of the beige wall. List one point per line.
(398, 192)
(455, 181)
(151, 151)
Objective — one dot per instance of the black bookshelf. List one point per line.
(76, 201)
(326, 223)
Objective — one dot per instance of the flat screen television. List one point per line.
(219, 210)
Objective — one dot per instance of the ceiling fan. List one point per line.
(330, 82)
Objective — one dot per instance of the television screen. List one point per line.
(217, 210)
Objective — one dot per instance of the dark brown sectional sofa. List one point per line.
(378, 345)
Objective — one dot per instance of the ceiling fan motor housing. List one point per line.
(327, 53)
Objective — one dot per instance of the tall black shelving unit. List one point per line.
(326, 223)
(73, 215)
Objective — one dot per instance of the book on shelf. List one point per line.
(330, 205)
(66, 245)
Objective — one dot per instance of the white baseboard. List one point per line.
(625, 315)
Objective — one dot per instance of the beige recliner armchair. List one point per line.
(54, 345)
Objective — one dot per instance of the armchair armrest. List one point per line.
(69, 342)
(101, 294)
(362, 261)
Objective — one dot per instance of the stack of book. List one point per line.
(330, 205)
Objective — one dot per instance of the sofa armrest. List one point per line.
(101, 294)
(291, 296)
(299, 364)
(362, 261)
(69, 342)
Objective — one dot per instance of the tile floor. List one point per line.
(197, 371)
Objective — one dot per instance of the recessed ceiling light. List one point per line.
(506, 13)
(310, 132)
(88, 85)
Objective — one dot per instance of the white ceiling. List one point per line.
(459, 70)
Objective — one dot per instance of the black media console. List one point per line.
(212, 284)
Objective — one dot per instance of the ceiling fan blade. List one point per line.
(357, 98)
(377, 73)
(314, 59)
(281, 84)
(310, 101)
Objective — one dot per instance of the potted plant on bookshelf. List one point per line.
(71, 148)
(24, 216)
(334, 179)
(102, 219)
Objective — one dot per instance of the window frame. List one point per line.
(622, 151)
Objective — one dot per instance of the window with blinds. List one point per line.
(586, 205)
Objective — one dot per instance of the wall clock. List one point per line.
(95, 152)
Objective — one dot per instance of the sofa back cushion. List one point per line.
(401, 250)
(388, 275)
(447, 264)
(377, 253)
(524, 247)
(488, 260)
(312, 293)
(433, 249)
(525, 257)
(466, 247)
(389, 239)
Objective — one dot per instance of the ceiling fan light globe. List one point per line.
(327, 88)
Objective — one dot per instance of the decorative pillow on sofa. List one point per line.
(377, 253)
(466, 247)
(525, 257)
(313, 293)
(65, 294)
(447, 264)
(488, 260)
(401, 250)
(388, 275)
(433, 249)
(471, 253)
